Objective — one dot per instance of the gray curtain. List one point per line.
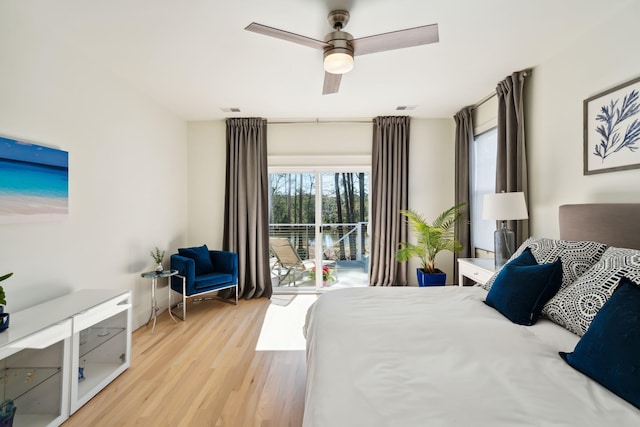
(246, 221)
(511, 164)
(464, 139)
(389, 194)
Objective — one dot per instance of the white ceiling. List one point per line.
(195, 58)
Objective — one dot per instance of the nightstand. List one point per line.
(477, 269)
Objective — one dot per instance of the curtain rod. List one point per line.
(483, 100)
(315, 122)
(525, 73)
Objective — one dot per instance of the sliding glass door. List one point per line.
(318, 230)
(292, 228)
(344, 224)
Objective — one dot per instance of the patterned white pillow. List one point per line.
(577, 256)
(575, 306)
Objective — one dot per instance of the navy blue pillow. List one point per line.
(200, 255)
(523, 287)
(609, 351)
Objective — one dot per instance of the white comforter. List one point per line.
(440, 357)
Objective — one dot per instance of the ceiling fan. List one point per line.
(340, 47)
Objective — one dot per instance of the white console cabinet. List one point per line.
(45, 345)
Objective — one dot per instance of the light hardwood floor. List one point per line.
(203, 372)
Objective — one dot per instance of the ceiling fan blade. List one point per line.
(331, 83)
(396, 40)
(285, 35)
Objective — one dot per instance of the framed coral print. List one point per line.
(612, 129)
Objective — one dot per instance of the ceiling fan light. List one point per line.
(338, 63)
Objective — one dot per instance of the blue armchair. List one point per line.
(201, 271)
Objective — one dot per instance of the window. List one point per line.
(482, 181)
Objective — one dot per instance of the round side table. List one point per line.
(154, 275)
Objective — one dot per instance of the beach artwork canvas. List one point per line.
(34, 182)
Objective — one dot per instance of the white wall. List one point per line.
(432, 178)
(318, 143)
(431, 175)
(207, 174)
(127, 172)
(602, 59)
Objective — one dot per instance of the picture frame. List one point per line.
(34, 182)
(612, 129)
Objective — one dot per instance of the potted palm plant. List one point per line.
(430, 240)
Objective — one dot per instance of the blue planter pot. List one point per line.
(4, 323)
(439, 278)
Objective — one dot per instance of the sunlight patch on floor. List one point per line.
(282, 326)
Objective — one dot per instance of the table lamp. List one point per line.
(503, 207)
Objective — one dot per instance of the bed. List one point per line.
(439, 356)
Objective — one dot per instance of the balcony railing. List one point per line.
(340, 241)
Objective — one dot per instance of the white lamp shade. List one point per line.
(338, 63)
(504, 206)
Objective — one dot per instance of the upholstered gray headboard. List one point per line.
(615, 224)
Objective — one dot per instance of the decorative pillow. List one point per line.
(523, 287)
(200, 255)
(608, 352)
(487, 285)
(575, 306)
(577, 256)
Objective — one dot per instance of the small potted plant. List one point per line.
(431, 239)
(326, 274)
(157, 256)
(4, 317)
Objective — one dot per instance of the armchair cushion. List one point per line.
(200, 255)
(207, 281)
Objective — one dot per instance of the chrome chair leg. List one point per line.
(195, 298)
(184, 298)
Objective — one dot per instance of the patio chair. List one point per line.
(290, 267)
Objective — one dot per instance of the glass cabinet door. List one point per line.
(101, 348)
(34, 372)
